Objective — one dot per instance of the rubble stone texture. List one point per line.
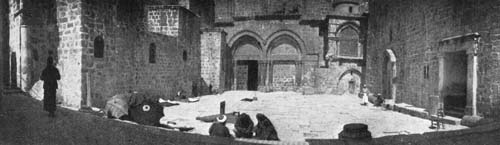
(296, 50)
(420, 33)
(69, 30)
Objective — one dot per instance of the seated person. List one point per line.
(265, 129)
(219, 128)
(379, 100)
(243, 126)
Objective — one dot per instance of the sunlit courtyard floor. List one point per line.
(297, 117)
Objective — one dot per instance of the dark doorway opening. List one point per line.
(352, 86)
(455, 83)
(387, 78)
(251, 76)
(13, 69)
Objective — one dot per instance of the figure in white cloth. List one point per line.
(364, 93)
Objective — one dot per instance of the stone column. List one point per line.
(262, 74)
(441, 77)
(471, 117)
(470, 108)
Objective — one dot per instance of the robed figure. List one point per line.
(50, 75)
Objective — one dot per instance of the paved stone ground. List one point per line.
(297, 117)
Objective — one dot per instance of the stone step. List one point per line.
(421, 113)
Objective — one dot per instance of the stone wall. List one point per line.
(32, 38)
(72, 30)
(258, 26)
(226, 10)
(129, 30)
(213, 59)
(69, 50)
(414, 29)
(4, 45)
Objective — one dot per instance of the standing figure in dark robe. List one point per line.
(243, 126)
(50, 75)
(219, 128)
(265, 129)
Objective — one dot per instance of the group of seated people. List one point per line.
(244, 128)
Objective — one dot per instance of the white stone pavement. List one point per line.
(297, 117)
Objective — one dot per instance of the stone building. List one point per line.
(430, 53)
(314, 46)
(104, 47)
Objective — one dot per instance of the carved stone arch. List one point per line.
(245, 33)
(346, 25)
(247, 47)
(350, 71)
(294, 38)
(352, 86)
(391, 55)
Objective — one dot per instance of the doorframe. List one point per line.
(469, 43)
(391, 57)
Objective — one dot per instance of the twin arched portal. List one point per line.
(277, 60)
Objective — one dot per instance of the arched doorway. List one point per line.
(349, 82)
(388, 75)
(247, 52)
(284, 54)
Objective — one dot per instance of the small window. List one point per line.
(184, 55)
(426, 72)
(98, 47)
(35, 54)
(152, 53)
(350, 9)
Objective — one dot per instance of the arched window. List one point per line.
(184, 55)
(349, 41)
(98, 47)
(152, 53)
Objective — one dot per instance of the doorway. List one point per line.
(247, 75)
(455, 83)
(13, 69)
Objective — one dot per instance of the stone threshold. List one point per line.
(421, 113)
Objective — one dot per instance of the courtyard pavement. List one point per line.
(297, 117)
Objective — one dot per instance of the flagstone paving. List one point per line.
(297, 117)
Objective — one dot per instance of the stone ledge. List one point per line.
(421, 113)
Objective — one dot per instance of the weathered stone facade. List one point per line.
(445, 48)
(293, 45)
(4, 45)
(106, 47)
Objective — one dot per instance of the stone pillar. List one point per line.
(212, 59)
(262, 75)
(441, 76)
(471, 117)
(471, 108)
(69, 52)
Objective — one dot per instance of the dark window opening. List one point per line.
(184, 55)
(35, 54)
(426, 72)
(98, 47)
(152, 53)
(350, 9)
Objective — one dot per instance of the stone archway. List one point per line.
(349, 82)
(285, 56)
(247, 53)
(389, 75)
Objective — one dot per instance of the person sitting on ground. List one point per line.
(243, 126)
(379, 100)
(265, 129)
(219, 128)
